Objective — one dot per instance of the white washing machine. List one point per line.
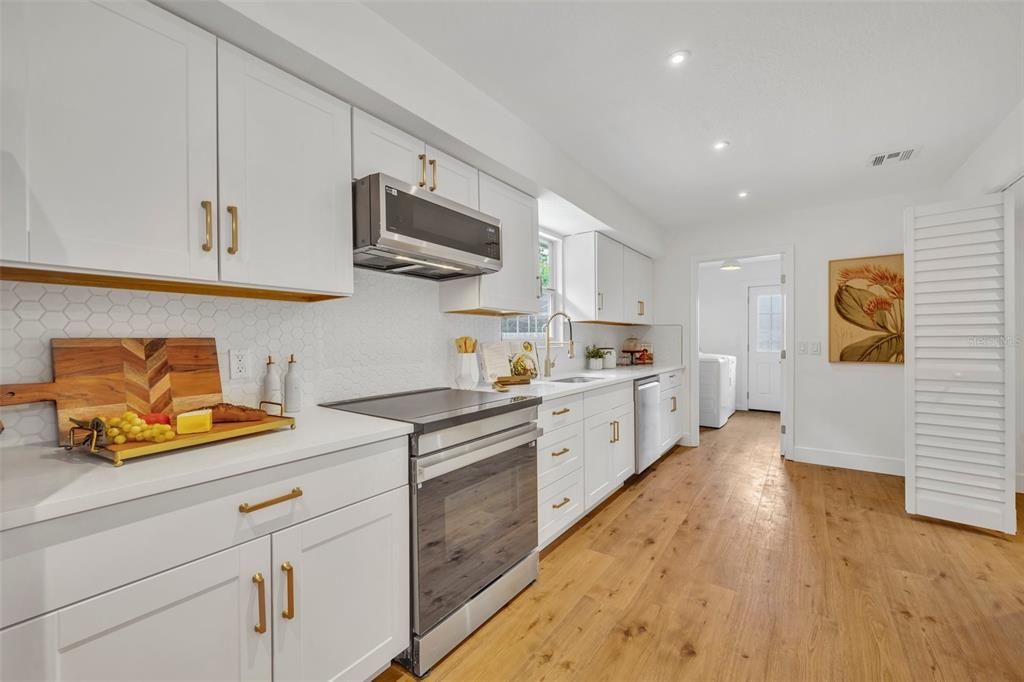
(717, 389)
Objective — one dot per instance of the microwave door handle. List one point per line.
(464, 455)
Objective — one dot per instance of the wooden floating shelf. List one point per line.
(85, 279)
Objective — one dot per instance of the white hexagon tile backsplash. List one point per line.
(390, 336)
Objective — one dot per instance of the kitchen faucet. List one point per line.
(548, 362)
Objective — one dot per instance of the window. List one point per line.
(532, 326)
(769, 323)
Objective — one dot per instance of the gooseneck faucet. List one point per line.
(548, 362)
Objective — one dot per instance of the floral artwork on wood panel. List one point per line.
(865, 322)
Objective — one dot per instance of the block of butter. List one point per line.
(196, 421)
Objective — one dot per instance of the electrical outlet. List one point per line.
(802, 348)
(238, 363)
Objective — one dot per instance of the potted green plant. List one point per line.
(595, 357)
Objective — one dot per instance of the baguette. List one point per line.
(227, 413)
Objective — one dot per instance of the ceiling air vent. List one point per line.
(890, 158)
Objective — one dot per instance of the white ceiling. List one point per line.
(805, 92)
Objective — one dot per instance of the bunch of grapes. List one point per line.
(130, 427)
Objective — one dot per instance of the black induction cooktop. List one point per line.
(434, 409)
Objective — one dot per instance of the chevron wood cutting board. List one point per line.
(106, 377)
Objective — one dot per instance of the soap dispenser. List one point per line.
(272, 382)
(292, 387)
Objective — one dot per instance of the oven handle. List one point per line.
(477, 451)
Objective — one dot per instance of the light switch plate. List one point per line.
(238, 363)
(815, 347)
(802, 348)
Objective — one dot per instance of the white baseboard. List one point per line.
(848, 460)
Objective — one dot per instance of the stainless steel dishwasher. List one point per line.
(646, 402)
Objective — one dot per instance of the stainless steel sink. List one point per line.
(574, 380)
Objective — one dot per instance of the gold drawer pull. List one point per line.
(233, 212)
(560, 452)
(423, 170)
(559, 413)
(261, 585)
(289, 574)
(565, 501)
(674, 405)
(433, 168)
(246, 508)
(208, 209)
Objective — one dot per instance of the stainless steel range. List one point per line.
(473, 483)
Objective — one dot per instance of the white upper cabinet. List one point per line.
(285, 190)
(341, 591)
(453, 179)
(380, 148)
(610, 283)
(516, 287)
(606, 281)
(638, 287)
(204, 620)
(109, 139)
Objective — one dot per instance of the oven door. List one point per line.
(474, 516)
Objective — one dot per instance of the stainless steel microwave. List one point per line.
(406, 229)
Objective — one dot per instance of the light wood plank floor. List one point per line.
(726, 563)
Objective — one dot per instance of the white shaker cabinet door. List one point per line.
(598, 474)
(195, 622)
(610, 294)
(624, 448)
(380, 148)
(516, 287)
(285, 191)
(453, 179)
(638, 287)
(109, 138)
(341, 591)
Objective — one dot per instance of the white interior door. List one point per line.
(960, 364)
(766, 339)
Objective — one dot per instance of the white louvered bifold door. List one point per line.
(960, 362)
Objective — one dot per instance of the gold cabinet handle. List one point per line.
(208, 209)
(674, 405)
(612, 425)
(643, 308)
(616, 430)
(423, 170)
(560, 452)
(600, 301)
(233, 212)
(559, 413)
(289, 574)
(247, 508)
(565, 501)
(433, 170)
(261, 585)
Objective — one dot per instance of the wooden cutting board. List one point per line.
(106, 377)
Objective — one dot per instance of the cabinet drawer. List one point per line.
(555, 414)
(558, 453)
(671, 379)
(47, 565)
(560, 505)
(603, 399)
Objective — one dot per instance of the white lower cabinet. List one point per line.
(341, 591)
(559, 505)
(329, 595)
(671, 421)
(624, 447)
(199, 621)
(598, 452)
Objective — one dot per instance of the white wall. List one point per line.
(845, 414)
(723, 312)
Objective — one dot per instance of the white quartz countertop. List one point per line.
(40, 482)
(549, 389)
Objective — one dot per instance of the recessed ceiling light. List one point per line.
(730, 265)
(679, 57)
(743, 195)
(720, 145)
